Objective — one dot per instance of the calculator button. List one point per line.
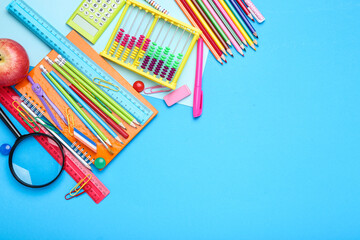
(103, 19)
(92, 10)
(101, 10)
(98, 1)
(110, 10)
(91, 16)
(89, 1)
(97, 14)
(95, 5)
(114, 5)
(108, 1)
(81, 9)
(96, 20)
(86, 5)
(104, 5)
(117, 1)
(101, 24)
(86, 13)
(107, 15)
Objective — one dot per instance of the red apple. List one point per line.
(14, 62)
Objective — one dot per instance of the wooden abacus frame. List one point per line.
(135, 65)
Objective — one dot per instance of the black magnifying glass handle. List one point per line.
(9, 124)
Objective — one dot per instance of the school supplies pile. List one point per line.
(73, 94)
(151, 43)
(224, 23)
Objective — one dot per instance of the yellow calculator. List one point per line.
(92, 17)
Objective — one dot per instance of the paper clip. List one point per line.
(70, 119)
(101, 82)
(76, 190)
(47, 124)
(26, 117)
(68, 197)
(162, 89)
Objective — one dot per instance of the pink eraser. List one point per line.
(177, 95)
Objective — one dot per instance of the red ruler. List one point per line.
(94, 188)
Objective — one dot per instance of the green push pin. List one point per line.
(100, 163)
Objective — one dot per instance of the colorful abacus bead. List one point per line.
(167, 65)
(174, 67)
(156, 57)
(160, 64)
(122, 46)
(137, 47)
(149, 55)
(116, 42)
(144, 48)
(128, 49)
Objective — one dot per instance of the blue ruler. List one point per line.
(55, 40)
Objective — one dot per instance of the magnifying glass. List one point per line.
(29, 162)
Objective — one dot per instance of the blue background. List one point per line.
(275, 154)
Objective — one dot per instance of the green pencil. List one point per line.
(214, 22)
(93, 86)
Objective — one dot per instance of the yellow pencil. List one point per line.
(238, 25)
(206, 26)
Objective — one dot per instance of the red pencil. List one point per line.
(245, 9)
(202, 28)
(101, 114)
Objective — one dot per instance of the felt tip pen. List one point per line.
(198, 93)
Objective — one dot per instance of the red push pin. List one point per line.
(139, 86)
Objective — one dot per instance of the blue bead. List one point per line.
(5, 149)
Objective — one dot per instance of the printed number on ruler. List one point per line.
(69, 51)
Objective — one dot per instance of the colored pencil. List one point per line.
(234, 42)
(213, 21)
(101, 113)
(244, 18)
(229, 28)
(244, 8)
(119, 110)
(238, 25)
(239, 19)
(205, 36)
(230, 21)
(85, 106)
(203, 29)
(104, 98)
(83, 90)
(55, 79)
(206, 26)
(212, 27)
(75, 107)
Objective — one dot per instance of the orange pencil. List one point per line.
(210, 43)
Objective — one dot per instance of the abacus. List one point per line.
(162, 59)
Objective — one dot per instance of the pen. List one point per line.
(198, 93)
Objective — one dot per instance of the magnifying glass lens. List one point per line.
(32, 164)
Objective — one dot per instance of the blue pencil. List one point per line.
(87, 108)
(242, 19)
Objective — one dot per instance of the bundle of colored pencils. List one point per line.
(224, 23)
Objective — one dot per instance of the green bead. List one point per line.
(100, 163)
